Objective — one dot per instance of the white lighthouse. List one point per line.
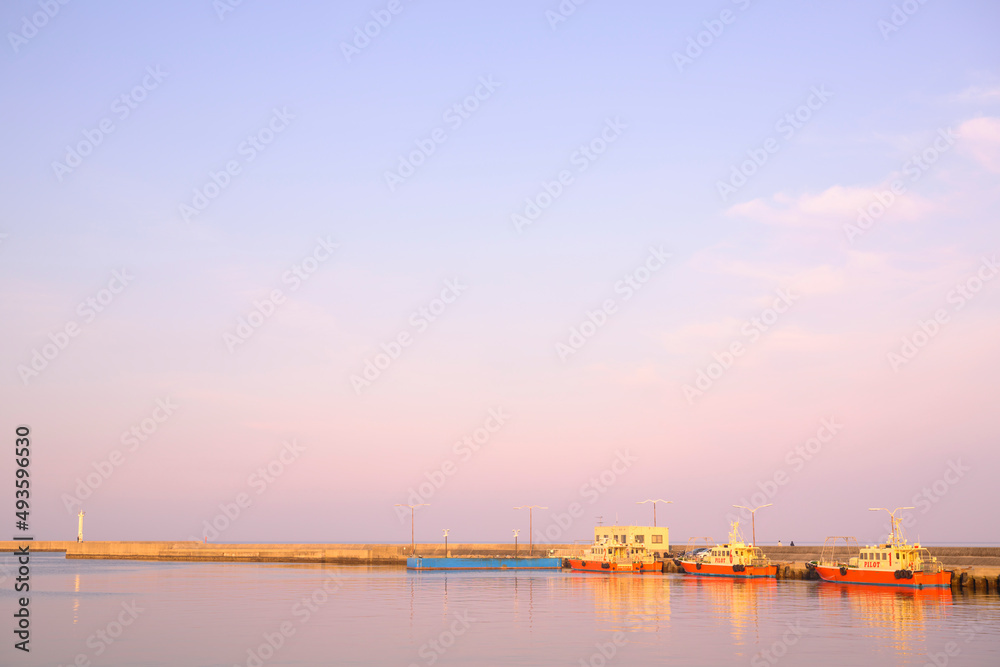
(79, 530)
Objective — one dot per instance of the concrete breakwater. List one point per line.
(976, 568)
(370, 554)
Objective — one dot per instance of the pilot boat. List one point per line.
(733, 559)
(892, 563)
(611, 555)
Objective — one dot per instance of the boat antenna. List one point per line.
(600, 520)
(893, 521)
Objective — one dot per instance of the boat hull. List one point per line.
(853, 575)
(583, 565)
(710, 570)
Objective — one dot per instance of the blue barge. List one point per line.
(483, 563)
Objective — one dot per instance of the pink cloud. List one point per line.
(981, 139)
(829, 208)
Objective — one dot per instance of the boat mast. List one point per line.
(893, 523)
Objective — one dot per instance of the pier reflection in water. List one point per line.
(221, 614)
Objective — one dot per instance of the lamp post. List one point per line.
(516, 532)
(658, 500)
(446, 542)
(531, 537)
(412, 507)
(893, 521)
(753, 515)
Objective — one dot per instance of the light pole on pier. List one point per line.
(650, 500)
(753, 522)
(412, 507)
(531, 536)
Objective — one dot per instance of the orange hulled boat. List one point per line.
(893, 563)
(735, 559)
(620, 549)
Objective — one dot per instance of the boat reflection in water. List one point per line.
(901, 615)
(638, 604)
(755, 615)
(740, 603)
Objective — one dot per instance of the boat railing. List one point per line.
(931, 568)
(760, 562)
(839, 549)
(927, 563)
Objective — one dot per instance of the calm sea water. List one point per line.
(148, 613)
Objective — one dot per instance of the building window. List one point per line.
(657, 539)
(640, 539)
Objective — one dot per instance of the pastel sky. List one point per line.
(688, 177)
